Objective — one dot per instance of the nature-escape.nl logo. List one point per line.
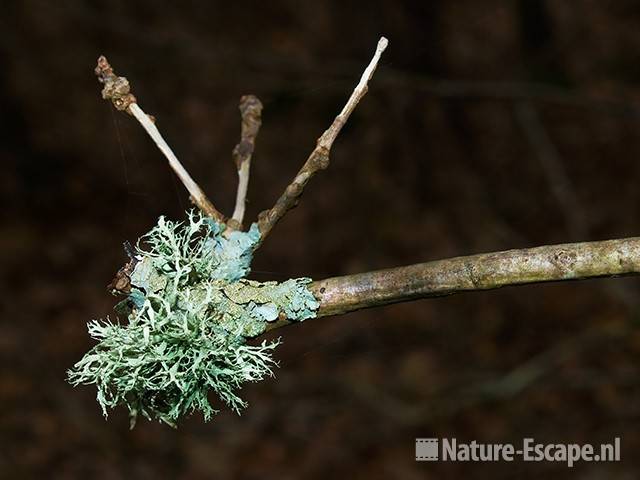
(451, 450)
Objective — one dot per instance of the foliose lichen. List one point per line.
(190, 313)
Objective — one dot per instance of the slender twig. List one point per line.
(118, 90)
(319, 158)
(251, 112)
(549, 263)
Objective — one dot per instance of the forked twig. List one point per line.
(221, 309)
(319, 158)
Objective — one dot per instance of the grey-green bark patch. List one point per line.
(190, 313)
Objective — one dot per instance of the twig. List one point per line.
(118, 90)
(319, 158)
(250, 111)
(561, 187)
(549, 263)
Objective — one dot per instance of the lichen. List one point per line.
(190, 313)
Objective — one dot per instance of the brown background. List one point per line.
(489, 125)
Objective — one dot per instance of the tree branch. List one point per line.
(251, 112)
(118, 90)
(549, 263)
(319, 158)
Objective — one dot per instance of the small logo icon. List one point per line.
(426, 449)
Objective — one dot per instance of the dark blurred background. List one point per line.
(489, 125)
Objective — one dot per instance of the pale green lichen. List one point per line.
(190, 313)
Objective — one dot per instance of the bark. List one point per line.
(550, 263)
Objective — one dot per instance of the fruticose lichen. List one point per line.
(190, 312)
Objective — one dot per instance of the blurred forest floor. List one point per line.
(489, 125)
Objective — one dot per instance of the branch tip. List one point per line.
(118, 91)
(319, 157)
(251, 114)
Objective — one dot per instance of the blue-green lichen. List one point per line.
(190, 313)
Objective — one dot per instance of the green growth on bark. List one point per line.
(189, 313)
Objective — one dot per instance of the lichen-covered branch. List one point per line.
(189, 311)
(319, 158)
(118, 90)
(251, 113)
(571, 261)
